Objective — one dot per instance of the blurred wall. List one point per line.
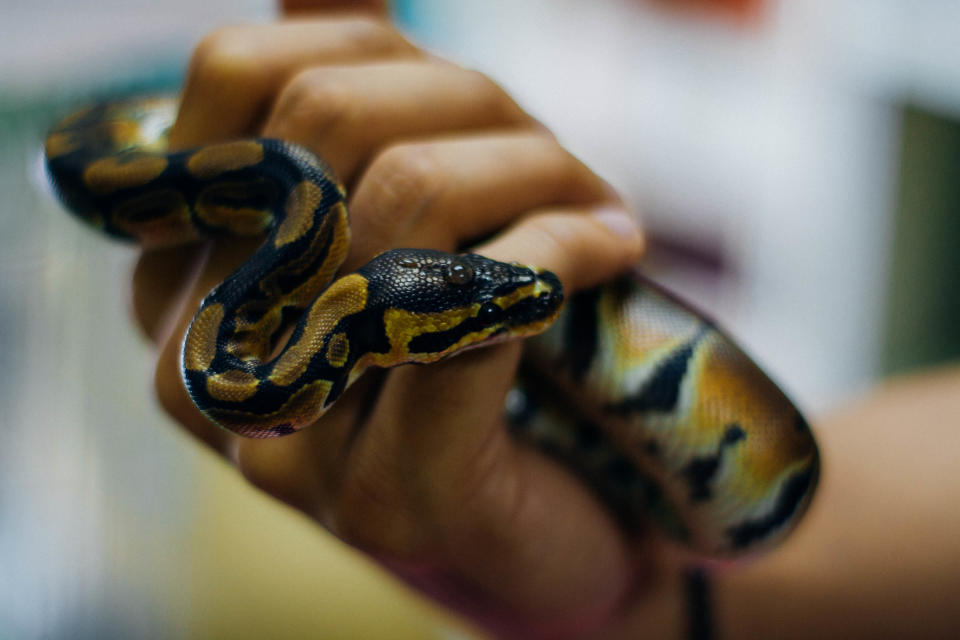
(763, 154)
(766, 157)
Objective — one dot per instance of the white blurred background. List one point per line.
(795, 162)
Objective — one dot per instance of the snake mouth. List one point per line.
(532, 307)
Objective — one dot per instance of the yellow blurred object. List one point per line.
(259, 569)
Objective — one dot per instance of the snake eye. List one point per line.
(459, 273)
(489, 313)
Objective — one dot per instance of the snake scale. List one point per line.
(659, 411)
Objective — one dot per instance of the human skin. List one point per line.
(877, 555)
(414, 466)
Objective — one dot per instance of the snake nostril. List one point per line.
(544, 300)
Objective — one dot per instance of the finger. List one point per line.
(235, 72)
(311, 458)
(583, 248)
(438, 477)
(436, 445)
(442, 193)
(158, 279)
(346, 113)
(293, 7)
(216, 262)
(305, 468)
(169, 387)
(475, 193)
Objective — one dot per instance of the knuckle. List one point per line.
(372, 516)
(227, 52)
(403, 180)
(313, 101)
(263, 473)
(491, 98)
(578, 174)
(373, 35)
(555, 234)
(260, 476)
(349, 521)
(571, 181)
(577, 180)
(168, 396)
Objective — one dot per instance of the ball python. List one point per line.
(656, 407)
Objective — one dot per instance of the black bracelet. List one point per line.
(699, 611)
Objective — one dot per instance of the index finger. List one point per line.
(236, 72)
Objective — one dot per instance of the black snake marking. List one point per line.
(653, 404)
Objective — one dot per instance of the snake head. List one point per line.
(435, 304)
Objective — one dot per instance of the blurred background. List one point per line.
(796, 164)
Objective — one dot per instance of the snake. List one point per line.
(659, 411)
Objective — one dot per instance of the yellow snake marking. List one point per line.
(201, 344)
(314, 161)
(403, 326)
(533, 328)
(338, 349)
(123, 133)
(639, 330)
(252, 340)
(232, 386)
(303, 407)
(642, 330)
(731, 388)
(345, 296)
(58, 144)
(240, 220)
(301, 203)
(74, 118)
(254, 337)
(124, 172)
(157, 217)
(210, 162)
(336, 252)
(143, 125)
(521, 293)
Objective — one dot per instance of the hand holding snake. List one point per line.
(414, 465)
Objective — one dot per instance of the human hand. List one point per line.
(414, 465)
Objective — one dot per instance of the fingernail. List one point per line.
(619, 221)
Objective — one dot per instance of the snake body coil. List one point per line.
(674, 421)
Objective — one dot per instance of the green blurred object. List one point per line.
(923, 313)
